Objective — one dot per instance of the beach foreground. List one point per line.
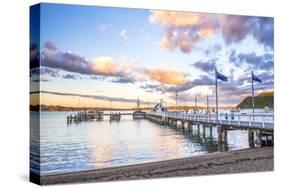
(240, 161)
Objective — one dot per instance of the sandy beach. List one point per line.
(246, 160)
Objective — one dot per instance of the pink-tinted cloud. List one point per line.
(123, 70)
(166, 76)
(183, 30)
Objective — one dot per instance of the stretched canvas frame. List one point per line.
(135, 118)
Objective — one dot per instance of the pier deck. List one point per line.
(253, 121)
(85, 116)
(260, 127)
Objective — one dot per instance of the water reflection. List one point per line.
(100, 144)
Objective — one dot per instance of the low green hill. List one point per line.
(263, 100)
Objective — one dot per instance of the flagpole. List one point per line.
(217, 114)
(176, 99)
(253, 97)
(207, 103)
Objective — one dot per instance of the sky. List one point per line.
(109, 57)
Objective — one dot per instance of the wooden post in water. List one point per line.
(189, 127)
(251, 138)
(259, 138)
(182, 124)
(204, 131)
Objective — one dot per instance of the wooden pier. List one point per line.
(115, 117)
(260, 127)
(99, 116)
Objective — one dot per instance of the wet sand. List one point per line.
(246, 160)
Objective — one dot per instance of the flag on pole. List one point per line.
(220, 76)
(255, 78)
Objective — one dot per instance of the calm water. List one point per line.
(93, 145)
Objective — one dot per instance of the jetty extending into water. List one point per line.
(260, 127)
(99, 116)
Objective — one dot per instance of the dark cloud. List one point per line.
(183, 29)
(264, 31)
(50, 46)
(113, 70)
(44, 71)
(206, 66)
(252, 61)
(231, 92)
(212, 49)
(203, 80)
(53, 58)
(217, 47)
(97, 97)
(71, 76)
(34, 56)
(235, 28)
(155, 88)
(41, 80)
(241, 87)
(122, 80)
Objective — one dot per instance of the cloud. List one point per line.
(252, 61)
(53, 58)
(231, 92)
(235, 28)
(106, 66)
(97, 97)
(34, 56)
(179, 39)
(71, 76)
(40, 80)
(191, 28)
(183, 29)
(212, 49)
(205, 33)
(203, 80)
(122, 71)
(167, 76)
(264, 31)
(171, 19)
(36, 72)
(206, 66)
(123, 34)
(122, 80)
(237, 89)
(104, 27)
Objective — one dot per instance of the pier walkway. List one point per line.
(254, 121)
(99, 115)
(260, 127)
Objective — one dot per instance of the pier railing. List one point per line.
(259, 121)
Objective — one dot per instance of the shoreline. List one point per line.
(237, 161)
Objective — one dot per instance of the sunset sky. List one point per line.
(100, 56)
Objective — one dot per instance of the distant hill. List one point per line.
(263, 100)
(56, 108)
(266, 94)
